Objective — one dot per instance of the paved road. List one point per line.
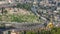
(28, 26)
(25, 26)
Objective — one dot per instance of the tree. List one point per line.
(24, 6)
(5, 12)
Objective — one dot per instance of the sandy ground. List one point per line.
(17, 11)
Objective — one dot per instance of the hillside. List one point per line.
(18, 15)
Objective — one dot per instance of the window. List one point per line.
(59, 4)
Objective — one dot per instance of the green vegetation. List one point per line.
(24, 6)
(52, 31)
(23, 18)
(19, 18)
(55, 30)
